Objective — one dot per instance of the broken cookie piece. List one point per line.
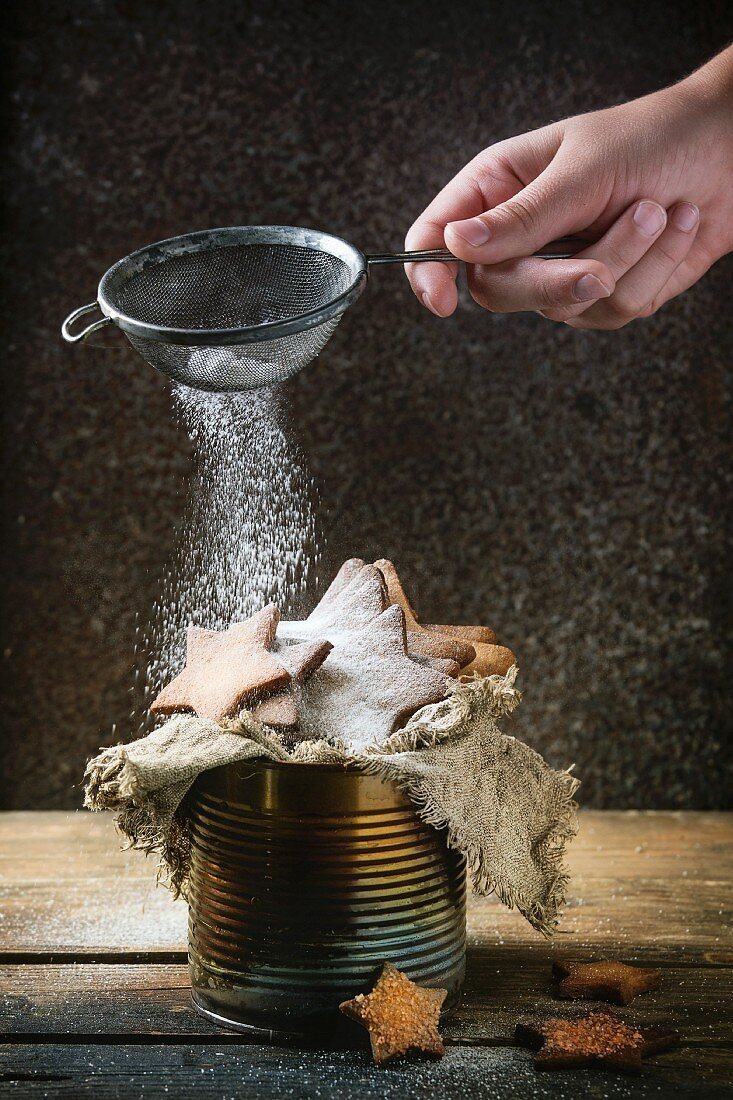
(599, 1038)
(400, 1016)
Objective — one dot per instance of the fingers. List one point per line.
(621, 247)
(487, 181)
(560, 200)
(434, 284)
(562, 289)
(617, 278)
(534, 284)
(641, 290)
(696, 263)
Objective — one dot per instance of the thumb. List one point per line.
(555, 203)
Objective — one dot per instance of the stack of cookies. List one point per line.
(352, 673)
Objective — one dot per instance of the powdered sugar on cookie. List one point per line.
(368, 685)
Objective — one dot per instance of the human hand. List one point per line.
(649, 182)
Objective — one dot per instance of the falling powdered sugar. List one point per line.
(249, 535)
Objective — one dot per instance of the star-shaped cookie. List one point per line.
(599, 1038)
(400, 1016)
(227, 669)
(489, 659)
(604, 981)
(357, 594)
(369, 683)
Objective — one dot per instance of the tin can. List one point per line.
(304, 879)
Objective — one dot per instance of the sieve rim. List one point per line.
(229, 236)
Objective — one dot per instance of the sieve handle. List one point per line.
(562, 249)
(72, 338)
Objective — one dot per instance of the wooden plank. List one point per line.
(645, 885)
(66, 887)
(502, 986)
(215, 1070)
(505, 984)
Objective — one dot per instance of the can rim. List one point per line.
(276, 765)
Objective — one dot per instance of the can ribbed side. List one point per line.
(293, 909)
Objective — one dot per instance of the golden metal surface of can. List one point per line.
(304, 879)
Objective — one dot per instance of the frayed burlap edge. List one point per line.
(115, 782)
(441, 721)
(437, 722)
(542, 914)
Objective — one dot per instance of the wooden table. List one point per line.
(95, 998)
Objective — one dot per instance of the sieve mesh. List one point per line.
(232, 286)
(236, 367)
(236, 286)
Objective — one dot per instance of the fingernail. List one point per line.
(425, 299)
(650, 218)
(590, 287)
(473, 230)
(685, 216)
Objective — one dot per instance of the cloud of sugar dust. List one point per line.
(249, 534)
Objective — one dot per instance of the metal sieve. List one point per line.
(234, 309)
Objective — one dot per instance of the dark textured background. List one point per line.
(571, 489)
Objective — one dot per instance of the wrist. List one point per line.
(712, 85)
(702, 105)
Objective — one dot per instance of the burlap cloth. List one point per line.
(499, 802)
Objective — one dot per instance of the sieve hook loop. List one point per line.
(72, 338)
